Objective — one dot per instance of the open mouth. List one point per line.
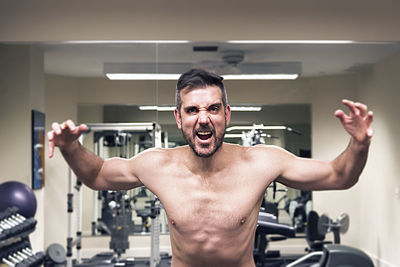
(204, 135)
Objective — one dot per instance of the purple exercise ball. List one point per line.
(19, 195)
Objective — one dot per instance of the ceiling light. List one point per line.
(260, 127)
(157, 108)
(241, 135)
(244, 108)
(290, 42)
(261, 77)
(171, 76)
(142, 76)
(128, 42)
(172, 108)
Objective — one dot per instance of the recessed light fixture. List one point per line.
(170, 76)
(128, 42)
(172, 108)
(260, 76)
(142, 76)
(290, 42)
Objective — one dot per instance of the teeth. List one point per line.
(204, 133)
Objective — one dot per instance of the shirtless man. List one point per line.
(211, 190)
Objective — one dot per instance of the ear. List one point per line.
(178, 118)
(228, 114)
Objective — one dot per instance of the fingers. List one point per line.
(356, 108)
(83, 128)
(63, 133)
(56, 128)
(369, 120)
(351, 106)
(50, 136)
(340, 114)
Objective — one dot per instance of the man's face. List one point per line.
(202, 119)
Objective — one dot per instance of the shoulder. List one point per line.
(265, 151)
(255, 153)
(158, 156)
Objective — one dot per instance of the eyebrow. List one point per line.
(218, 105)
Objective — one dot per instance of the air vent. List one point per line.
(205, 48)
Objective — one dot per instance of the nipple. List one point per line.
(173, 222)
(243, 220)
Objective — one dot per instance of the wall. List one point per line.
(21, 90)
(374, 208)
(46, 20)
(379, 87)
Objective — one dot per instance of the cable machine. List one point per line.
(118, 224)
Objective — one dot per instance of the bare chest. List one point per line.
(222, 201)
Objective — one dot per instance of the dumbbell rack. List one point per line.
(15, 247)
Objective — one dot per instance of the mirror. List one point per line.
(245, 129)
(119, 101)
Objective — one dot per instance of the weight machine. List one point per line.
(121, 134)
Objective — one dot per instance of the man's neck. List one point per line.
(214, 163)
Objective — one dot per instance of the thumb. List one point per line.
(340, 115)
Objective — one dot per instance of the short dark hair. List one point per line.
(199, 78)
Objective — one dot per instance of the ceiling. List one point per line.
(86, 59)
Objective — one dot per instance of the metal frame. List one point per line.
(155, 226)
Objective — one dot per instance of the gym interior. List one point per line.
(53, 61)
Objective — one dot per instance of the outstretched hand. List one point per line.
(64, 134)
(358, 122)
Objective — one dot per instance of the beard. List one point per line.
(215, 145)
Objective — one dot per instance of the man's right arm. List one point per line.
(96, 173)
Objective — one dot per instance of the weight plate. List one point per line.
(323, 224)
(344, 223)
(56, 253)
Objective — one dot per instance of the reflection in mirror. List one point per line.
(130, 209)
(287, 126)
(309, 61)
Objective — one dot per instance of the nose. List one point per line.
(203, 116)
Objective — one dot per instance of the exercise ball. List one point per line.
(19, 195)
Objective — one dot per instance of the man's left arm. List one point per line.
(344, 171)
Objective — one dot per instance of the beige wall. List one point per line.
(372, 203)
(45, 20)
(21, 90)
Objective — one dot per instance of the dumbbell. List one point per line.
(8, 230)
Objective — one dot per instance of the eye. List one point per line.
(214, 108)
(191, 110)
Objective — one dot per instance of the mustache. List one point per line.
(204, 129)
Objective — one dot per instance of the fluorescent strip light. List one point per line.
(161, 76)
(244, 108)
(169, 108)
(128, 42)
(172, 108)
(260, 127)
(155, 108)
(148, 107)
(142, 76)
(291, 42)
(261, 77)
(241, 135)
